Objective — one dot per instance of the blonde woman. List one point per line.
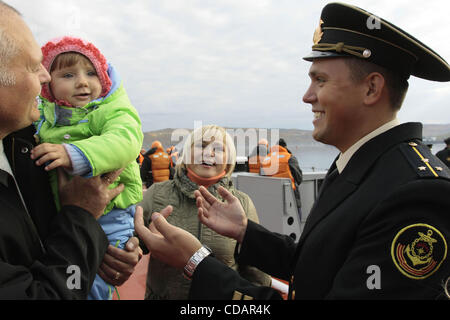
(208, 159)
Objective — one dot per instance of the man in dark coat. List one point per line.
(147, 167)
(444, 154)
(296, 172)
(44, 254)
(380, 227)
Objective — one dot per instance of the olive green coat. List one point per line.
(165, 282)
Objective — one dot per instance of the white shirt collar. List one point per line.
(4, 165)
(345, 157)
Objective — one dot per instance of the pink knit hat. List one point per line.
(70, 44)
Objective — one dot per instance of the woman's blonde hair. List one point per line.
(205, 133)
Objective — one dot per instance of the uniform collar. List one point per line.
(345, 157)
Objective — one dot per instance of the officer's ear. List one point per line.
(375, 88)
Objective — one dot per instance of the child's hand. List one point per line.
(54, 153)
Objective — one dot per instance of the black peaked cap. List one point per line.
(346, 30)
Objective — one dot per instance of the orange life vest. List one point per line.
(160, 165)
(141, 159)
(173, 158)
(276, 164)
(254, 163)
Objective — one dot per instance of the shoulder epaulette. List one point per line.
(424, 162)
(240, 296)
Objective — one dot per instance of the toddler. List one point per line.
(89, 127)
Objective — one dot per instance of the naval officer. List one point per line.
(380, 227)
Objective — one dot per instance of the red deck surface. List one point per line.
(134, 288)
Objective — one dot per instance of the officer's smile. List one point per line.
(318, 115)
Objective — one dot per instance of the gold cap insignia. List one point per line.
(418, 250)
(318, 33)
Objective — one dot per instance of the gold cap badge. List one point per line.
(318, 33)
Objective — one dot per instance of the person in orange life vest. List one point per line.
(257, 156)
(169, 151)
(173, 154)
(140, 157)
(155, 166)
(280, 162)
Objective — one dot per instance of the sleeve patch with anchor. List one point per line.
(418, 250)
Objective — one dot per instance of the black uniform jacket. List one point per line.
(379, 231)
(444, 156)
(43, 254)
(297, 174)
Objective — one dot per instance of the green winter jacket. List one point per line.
(165, 282)
(107, 131)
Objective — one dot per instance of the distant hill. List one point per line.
(171, 136)
(439, 131)
(164, 136)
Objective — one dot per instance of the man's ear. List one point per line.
(375, 86)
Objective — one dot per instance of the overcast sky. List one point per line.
(235, 63)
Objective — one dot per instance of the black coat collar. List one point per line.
(357, 168)
(372, 150)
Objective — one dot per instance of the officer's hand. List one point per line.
(226, 218)
(169, 244)
(91, 194)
